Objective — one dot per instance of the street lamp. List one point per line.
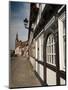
(26, 23)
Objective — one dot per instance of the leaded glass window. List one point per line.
(50, 50)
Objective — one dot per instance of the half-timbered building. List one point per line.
(47, 42)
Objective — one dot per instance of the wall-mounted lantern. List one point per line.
(26, 23)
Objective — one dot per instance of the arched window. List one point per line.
(50, 50)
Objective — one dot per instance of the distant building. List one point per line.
(47, 42)
(21, 48)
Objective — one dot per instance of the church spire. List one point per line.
(16, 41)
(17, 36)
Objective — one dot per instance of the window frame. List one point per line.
(50, 54)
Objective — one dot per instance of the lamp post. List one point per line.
(26, 23)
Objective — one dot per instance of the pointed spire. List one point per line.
(17, 36)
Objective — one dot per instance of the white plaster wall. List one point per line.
(61, 54)
(36, 66)
(62, 81)
(41, 72)
(41, 48)
(18, 51)
(36, 49)
(39, 67)
(61, 46)
(33, 62)
(51, 77)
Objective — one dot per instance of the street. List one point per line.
(21, 73)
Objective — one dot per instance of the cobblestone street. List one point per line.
(21, 73)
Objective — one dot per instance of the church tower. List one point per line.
(17, 36)
(16, 41)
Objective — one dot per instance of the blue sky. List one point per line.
(18, 11)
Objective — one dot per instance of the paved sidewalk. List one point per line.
(22, 74)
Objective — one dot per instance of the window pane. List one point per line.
(50, 50)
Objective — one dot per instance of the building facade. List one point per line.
(47, 42)
(21, 48)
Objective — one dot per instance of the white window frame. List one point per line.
(50, 50)
(39, 45)
(61, 41)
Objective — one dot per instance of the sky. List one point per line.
(18, 11)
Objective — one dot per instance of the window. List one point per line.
(50, 50)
